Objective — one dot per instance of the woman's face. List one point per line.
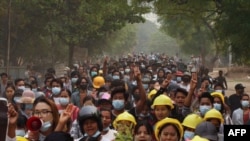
(168, 133)
(106, 118)
(43, 111)
(90, 127)
(142, 134)
(64, 94)
(161, 112)
(9, 93)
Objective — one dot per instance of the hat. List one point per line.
(206, 130)
(239, 86)
(28, 96)
(198, 138)
(104, 97)
(220, 95)
(61, 136)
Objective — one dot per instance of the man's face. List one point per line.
(4, 78)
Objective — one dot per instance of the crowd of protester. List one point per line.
(135, 98)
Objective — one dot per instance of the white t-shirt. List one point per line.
(110, 134)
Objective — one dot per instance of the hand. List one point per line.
(106, 59)
(12, 114)
(193, 81)
(66, 114)
(33, 135)
(137, 73)
(202, 89)
(166, 82)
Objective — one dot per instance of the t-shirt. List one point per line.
(110, 134)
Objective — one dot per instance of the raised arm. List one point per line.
(142, 92)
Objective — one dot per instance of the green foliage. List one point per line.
(234, 27)
(49, 26)
(191, 23)
(125, 133)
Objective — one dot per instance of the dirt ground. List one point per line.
(235, 76)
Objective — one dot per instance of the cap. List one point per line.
(206, 130)
(239, 86)
(198, 138)
(28, 96)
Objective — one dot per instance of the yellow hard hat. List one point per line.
(19, 138)
(213, 113)
(151, 94)
(163, 100)
(198, 138)
(125, 116)
(165, 121)
(192, 120)
(98, 82)
(218, 94)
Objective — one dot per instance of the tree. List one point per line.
(191, 22)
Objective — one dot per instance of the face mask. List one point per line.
(93, 73)
(144, 116)
(97, 133)
(188, 135)
(45, 126)
(64, 101)
(20, 133)
(21, 87)
(118, 104)
(127, 70)
(204, 109)
(178, 79)
(122, 72)
(73, 80)
(28, 106)
(83, 86)
(245, 103)
(34, 90)
(151, 70)
(17, 99)
(56, 90)
(143, 66)
(217, 106)
(134, 83)
(116, 77)
(145, 86)
(106, 129)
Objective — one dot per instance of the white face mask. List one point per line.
(20, 133)
(45, 126)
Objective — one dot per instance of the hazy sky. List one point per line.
(152, 17)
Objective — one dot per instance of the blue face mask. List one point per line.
(56, 90)
(106, 129)
(178, 79)
(116, 77)
(97, 133)
(45, 126)
(64, 101)
(28, 106)
(118, 104)
(20, 133)
(188, 135)
(217, 106)
(73, 80)
(245, 103)
(204, 109)
(93, 73)
(145, 86)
